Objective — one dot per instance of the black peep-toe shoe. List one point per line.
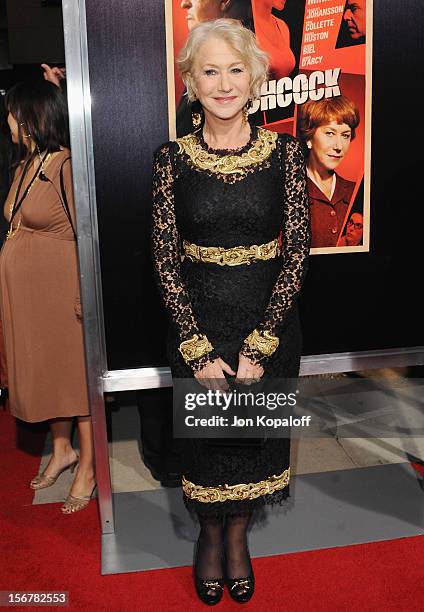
(204, 586)
(247, 584)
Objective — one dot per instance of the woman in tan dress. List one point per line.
(39, 288)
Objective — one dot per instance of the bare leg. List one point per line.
(85, 477)
(63, 453)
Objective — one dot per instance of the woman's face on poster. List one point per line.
(221, 79)
(329, 144)
(201, 10)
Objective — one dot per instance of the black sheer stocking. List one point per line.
(236, 549)
(209, 548)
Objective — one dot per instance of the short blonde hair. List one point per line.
(239, 38)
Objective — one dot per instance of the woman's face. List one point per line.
(221, 79)
(330, 143)
(201, 10)
(13, 126)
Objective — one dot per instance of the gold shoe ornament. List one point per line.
(75, 504)
(42, 481)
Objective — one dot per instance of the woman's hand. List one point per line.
(212, 375)
(54, 75)
(248, 371)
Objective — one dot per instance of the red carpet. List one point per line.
(44, 550)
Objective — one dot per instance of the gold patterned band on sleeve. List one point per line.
(195, 347)
(233, 256)
(237, 492)
(264, 343)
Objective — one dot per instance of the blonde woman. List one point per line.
(231, 185)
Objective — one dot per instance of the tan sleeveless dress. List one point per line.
(40, 302)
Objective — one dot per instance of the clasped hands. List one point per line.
(212, 374)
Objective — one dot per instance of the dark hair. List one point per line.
(244, 12)
(40, 110)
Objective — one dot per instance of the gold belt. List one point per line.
(233, 256)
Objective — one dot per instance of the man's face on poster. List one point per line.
(354, 229)
(201, 10)
(355, 18)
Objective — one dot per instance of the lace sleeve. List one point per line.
(165, 242)
(296, 244)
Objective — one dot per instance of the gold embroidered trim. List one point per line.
(233, 256)
(238, 492)
(231, 163)
(195, 347)
(265, 343)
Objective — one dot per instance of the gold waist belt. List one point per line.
(233, 256)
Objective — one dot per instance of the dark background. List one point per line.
(31, 33)
(350, 302)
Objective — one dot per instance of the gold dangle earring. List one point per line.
(246, 109)
(196, 119)
(25, 135)
(196, 114)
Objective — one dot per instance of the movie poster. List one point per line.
(319, 90)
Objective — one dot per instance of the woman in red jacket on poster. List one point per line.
(327, 127)
(273, 36)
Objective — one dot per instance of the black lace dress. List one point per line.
(213, 197)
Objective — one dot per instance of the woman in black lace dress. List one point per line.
(230, 185)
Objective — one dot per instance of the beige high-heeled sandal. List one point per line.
(75, 504)
(42, 481)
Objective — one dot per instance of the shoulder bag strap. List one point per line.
(64, 198)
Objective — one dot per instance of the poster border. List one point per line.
(365, 247)
(170, 74)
